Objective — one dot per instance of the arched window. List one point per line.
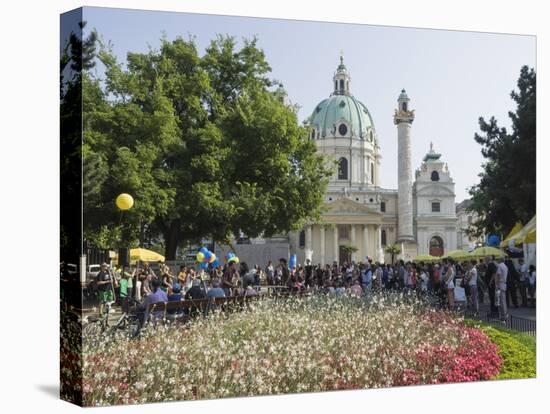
(436, 246)
(404, 106)
(302, 241)
(341, 85)
(313, 134)
(342, 169)
(435, 176)
(335, 85)
(383, 237)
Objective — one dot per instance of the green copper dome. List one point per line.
(341, 115)
(341, 109)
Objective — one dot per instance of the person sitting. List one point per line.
(356, 289)
(215, 291)
(157, 295)
(250, 291)
(175, 296)
(196, 291)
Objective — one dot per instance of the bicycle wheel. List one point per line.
(91, 329)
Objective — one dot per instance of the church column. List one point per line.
(322, 245)
(336, 247)
(352, 239)
(365, 240)
(308, 239)
(379, 251)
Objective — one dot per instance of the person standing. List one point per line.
(449, 282)
(490, 282)
(471, 277)
(270, 273)
(523, 282)
(500, 283)
(532, 284)
(512, 283)
(104, 283)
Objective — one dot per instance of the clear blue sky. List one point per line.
(451, 77)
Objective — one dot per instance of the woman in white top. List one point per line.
(471, 277)
(450, 282)
(532, 277)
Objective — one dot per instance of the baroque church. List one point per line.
(419, 216)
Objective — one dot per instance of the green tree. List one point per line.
(204, 145)
(506, 192)
(393, 250)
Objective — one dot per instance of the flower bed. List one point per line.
(517, 350)
(298, 345)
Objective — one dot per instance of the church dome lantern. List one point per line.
(342, 115)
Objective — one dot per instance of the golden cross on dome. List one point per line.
(342, 56)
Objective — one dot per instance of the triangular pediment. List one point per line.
(434, 190)
(345, 206)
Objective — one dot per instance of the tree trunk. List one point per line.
(171, 240)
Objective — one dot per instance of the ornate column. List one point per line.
(352, 239)
(404, 118)
(322, 245)
(379, 250)
(336, 247)
(365, 240)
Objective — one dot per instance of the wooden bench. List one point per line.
(185, 309)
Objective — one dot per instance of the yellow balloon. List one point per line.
(212, 258)
(124, 201)
(200, 257)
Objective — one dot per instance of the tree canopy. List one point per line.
(204, 144)
(506, 192)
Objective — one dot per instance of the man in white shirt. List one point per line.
(523, 281)
(501, 278)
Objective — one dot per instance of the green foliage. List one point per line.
(348, 248)
(506, 192)
(203, 144)
(518, 351)
(393, 250)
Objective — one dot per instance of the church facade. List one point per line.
(360, 217)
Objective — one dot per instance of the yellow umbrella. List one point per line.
(144, 255)
(531, 237)
(485, 251)
(457, 254)
(517, 227)
(527, 234)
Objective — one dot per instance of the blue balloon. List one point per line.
(292, 262)
(215, 263)
(229, 255)
(208, 255)
(203, 250)
(203, 265)
(493, 240)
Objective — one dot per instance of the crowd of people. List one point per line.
(502, 281)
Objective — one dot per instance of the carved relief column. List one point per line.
(322, 245)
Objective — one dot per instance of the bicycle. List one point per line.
(128, 322)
